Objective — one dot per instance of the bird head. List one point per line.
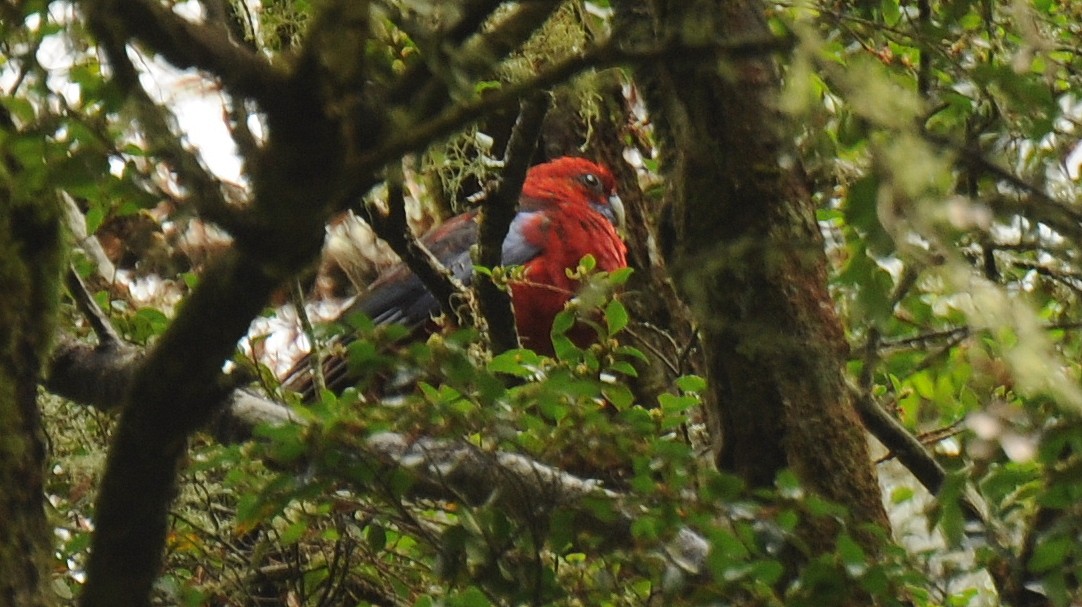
(576, 180)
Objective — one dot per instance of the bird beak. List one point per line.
(619, 216)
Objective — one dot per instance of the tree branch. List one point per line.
(76, 223)
(437, 468)
(425, 85)
(100, 376)
(393, 228)
(499, 210)
(189, 45)
(175, 390)
(609, 55)
(99, 322)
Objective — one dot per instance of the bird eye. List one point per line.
(591, 181)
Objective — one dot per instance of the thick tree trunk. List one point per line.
(30, 260)
(748, 257)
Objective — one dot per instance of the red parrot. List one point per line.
(568, 209)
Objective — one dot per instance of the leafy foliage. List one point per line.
(944, 142)
(941, 140)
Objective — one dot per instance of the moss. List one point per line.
(31, 256)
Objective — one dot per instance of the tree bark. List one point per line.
(31, 255)
(748, 257)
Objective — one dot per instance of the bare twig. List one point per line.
(499, 211)
(98, 320)
(89, 243)
(315, 357)
(393, 228)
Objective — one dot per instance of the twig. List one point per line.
(393, 228)
(99, 321)
(924, 339)
(455, 117)
(896, 438)
(499, 210)
(189, 45)
(90, 244)
(425, 84)
(315, 358)
(924, 56)
(640, 340)
(909, 451)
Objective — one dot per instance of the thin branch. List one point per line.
(901, 443)
(456, 117)
(99, 321)
(425, 85)
(1056, 213)
(911, 452)
(642, 342)
(315, 358)
(953, 336)
(204, 189)
(925, 339)
(1071, 280)
(76, 222)
(248, 145)
(393, 228)
(499, 210)
(188, 45)
(924, 56)
(480, 53)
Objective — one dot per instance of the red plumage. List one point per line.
(575, 219)
(568, 209)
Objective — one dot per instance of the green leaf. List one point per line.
(563, 322)
(891, 11)
(851, 554)
(624, 368)
(861, 212)
(691, 383)
(948, 513)
(94, 218)
(376, 536)
(620, 276)
(619, 395)
(520, 363)
(632, 352)
(616, 316)
(1051, 553)
(671, 403)
(767, 572)
(470, 597)
(293, 532)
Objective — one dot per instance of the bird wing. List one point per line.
(399, 296)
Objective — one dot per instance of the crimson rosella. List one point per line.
(568, 209)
